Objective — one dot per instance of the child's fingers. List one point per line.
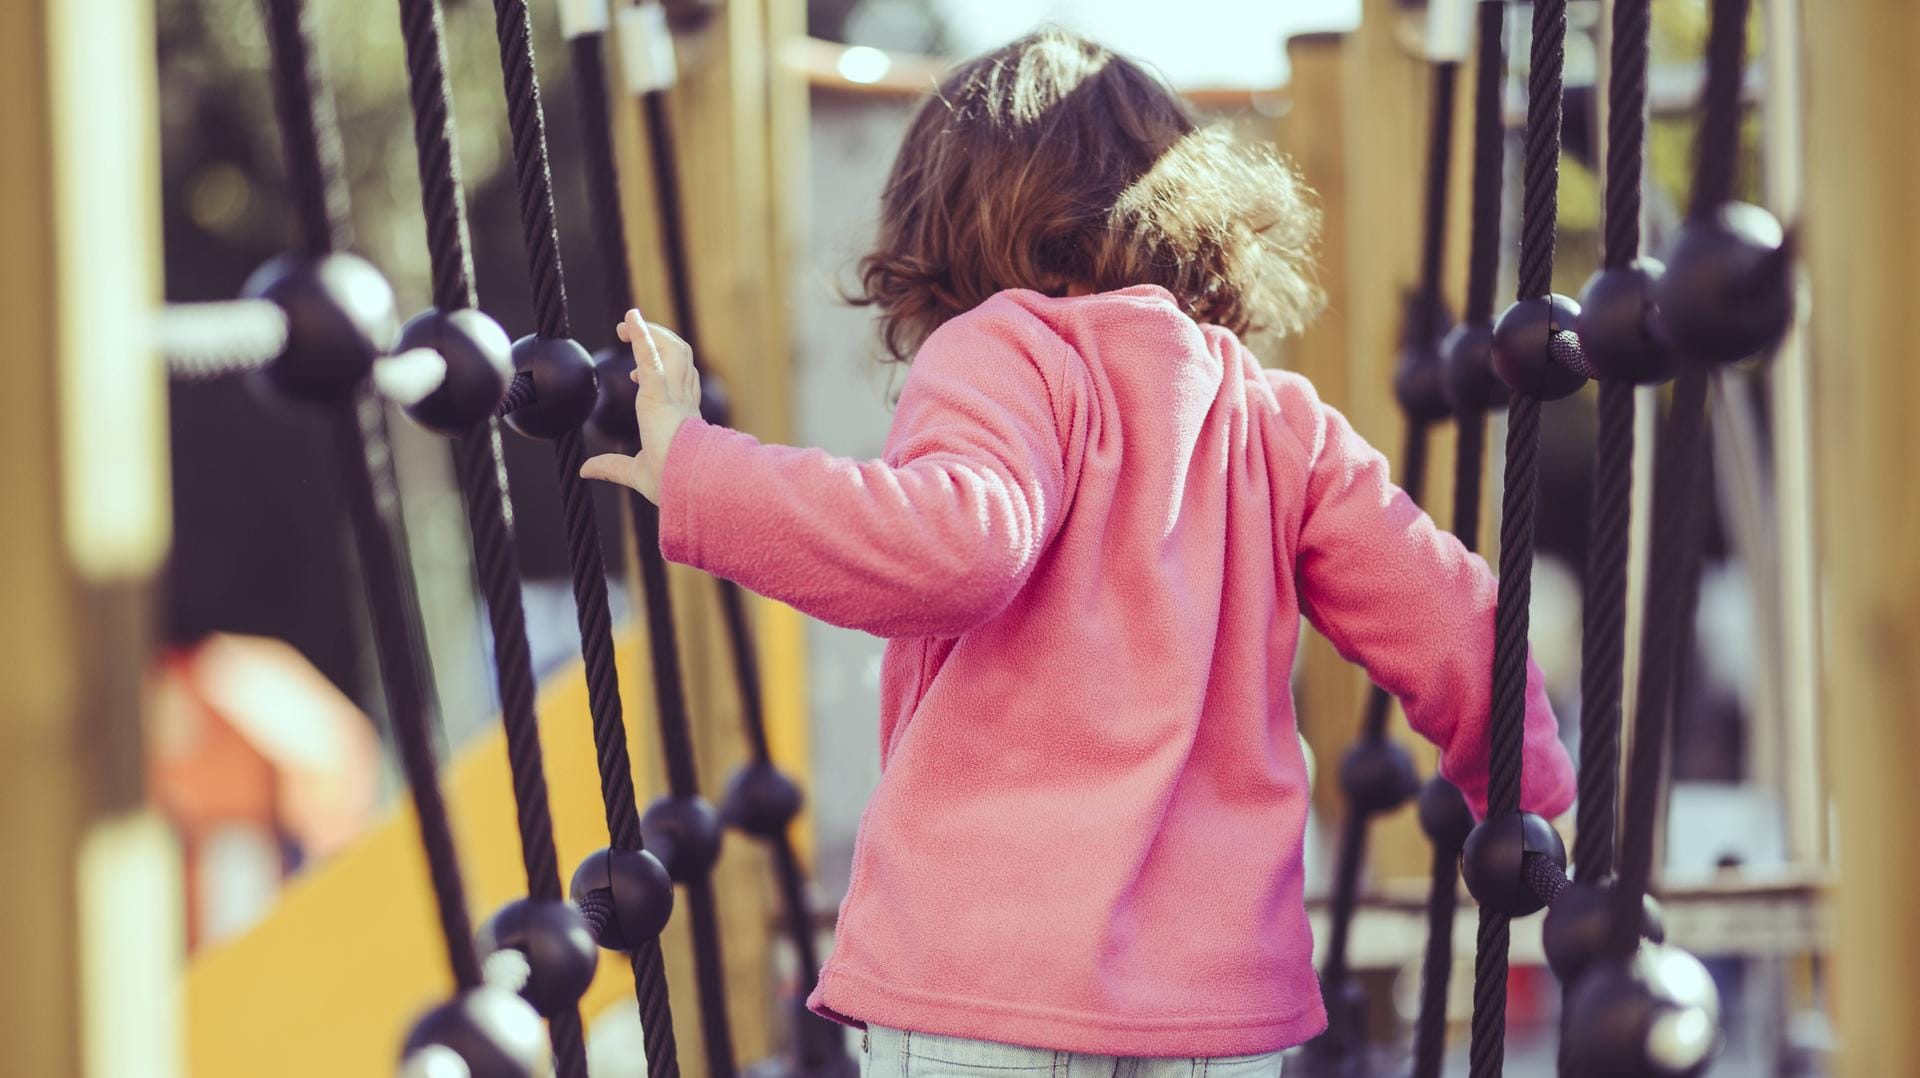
(621, 332)
(676, 356)
(612, 467)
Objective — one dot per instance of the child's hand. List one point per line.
(669, 395)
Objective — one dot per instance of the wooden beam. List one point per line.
(90, 919)
(1862, 235)
(1387, 90)
(734, 161)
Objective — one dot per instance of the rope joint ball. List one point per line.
(1530, 347)
(1578, 930)
(1420, 384)
(1445, 816)
(1377, 776)
(1494, 861)
(761, 800)
(564, 384)
(1727, 293)
(490, 1031)
(1652, 1014)
(684, 832)
(479, 367)
(640, 890)
(340, 319)
(1467, 358)
(1619, 324)
(612, 420)
(560, 950)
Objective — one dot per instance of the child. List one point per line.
(1089, 543)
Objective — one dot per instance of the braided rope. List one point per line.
(309, 129)
(1717, 145)
(310, 142)
(1672, 585)
(670, 698)
(1424, 322)
(1507, 736)
(1489, 161)
(1489, 145)
(1436, 967)
(365, 468)
(533, 182)
(1673, 571)
(423, 29)
(207, 341)
(520, 393)
(674, 726)
(481, 472)
(1604, 633)
(1604, 605)
(532, 172)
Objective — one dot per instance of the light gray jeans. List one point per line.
(894, 1053)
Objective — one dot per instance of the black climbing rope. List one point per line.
(1537, 355)
(1605, 603)
(692, 867)
(1376, 775)
(481, 473)
(311, 145)
(534, 185)
(1472, 389)
(760, 800)
(1673, 571)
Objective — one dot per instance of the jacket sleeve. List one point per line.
(932, 539)
(1409, 603)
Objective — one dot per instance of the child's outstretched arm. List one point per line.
(1408, 602)
(931, 540)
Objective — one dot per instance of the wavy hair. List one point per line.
(1052, 163)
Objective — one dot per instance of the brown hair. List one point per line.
(1053, 162)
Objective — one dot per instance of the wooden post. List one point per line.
(1862, 236)
(90, 921)
(1329, 690)
(724, 109)
(1387, 90)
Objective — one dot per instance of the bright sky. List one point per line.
(1194, 42)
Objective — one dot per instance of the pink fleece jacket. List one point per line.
(1089, 544)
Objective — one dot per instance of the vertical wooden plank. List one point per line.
(1328, 690)
(726, 111)
(1387, 91)
(89, 918)
(1862, 235)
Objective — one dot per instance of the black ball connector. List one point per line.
(1444, 814)
(1578, 929)
(1420, 384)
(1655, 1014)
(1728, 290)
(493, 1032)
(1523, 347)
(691, 14)
(479, 367)
(1377, 776)
(1619, 324)
(560, 950)
(340, 318)
(761, 800)
(641, 890)
(1493, 861)
(685, 833)
(716, 406)
(1466, 358)
(564, 383)
(613, 421)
